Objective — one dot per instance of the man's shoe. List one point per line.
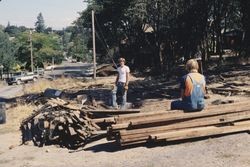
(113, 107)
(123, 107)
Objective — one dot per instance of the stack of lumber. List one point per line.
(178, 125)
(58, 123)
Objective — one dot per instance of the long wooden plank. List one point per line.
(115, 111)
(235, 90)
(213, 132)
(119, 126)
(178, 117)
(132, 143)
(63, 103)
(104, 120)
(192, 123)
(125, 118)
(202, 132)
(194, 115)
(177, 114)
(144, 133)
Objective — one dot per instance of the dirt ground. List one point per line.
(230, 151)
(224, 151)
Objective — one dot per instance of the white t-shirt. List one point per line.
(122, 73)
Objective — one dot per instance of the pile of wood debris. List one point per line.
(68, 125)
(233, 81)
(55, 123)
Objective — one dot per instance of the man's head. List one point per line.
(192, 65)
(122, 61)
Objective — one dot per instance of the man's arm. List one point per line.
(182, 93)
(127, 78)
(182, 87)
(117, 77)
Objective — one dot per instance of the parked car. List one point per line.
(22, 77)
(89, 72)
(73, 61)
(39, 71)
(49, 68)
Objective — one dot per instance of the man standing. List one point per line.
(121, 83)
(192, 89)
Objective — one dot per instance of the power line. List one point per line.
(98, 25)
(104, 43)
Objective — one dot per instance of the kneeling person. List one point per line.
(192, 89)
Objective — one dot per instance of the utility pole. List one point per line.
(1, 67)
(53, 65)
(93, 33)
(31, 53)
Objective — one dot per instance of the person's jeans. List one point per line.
(182, 105)
(119, 94)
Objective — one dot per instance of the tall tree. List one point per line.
(40, 24)
(245, 7)
(157, 34)
(6, 52)
(45, 46)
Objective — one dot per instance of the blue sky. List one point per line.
(57, 13)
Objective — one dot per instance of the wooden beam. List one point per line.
(104, 120)
(167, 118)
(144, 133)
(126, 118)
(115, 111)
(192, 115)
(202, 132)
(192, 123)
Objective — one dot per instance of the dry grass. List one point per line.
(41, 85)
(65, 83)
(2, 84)
(14, 117)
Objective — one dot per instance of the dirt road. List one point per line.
(7, 92)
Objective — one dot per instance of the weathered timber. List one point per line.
(234, 90)
(167, 118)
(96, 126)
(143, 127)
(57, 124)
(132, 143)
(63, 104)
(202, 132)
(144, 133)
(115, 112)
(126, 118)
(104, 120)
(184, 116)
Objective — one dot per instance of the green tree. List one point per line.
(157, 34)
(40, 24)
(14, 30)
(7, 51)
(245, 8)
(45, 46)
